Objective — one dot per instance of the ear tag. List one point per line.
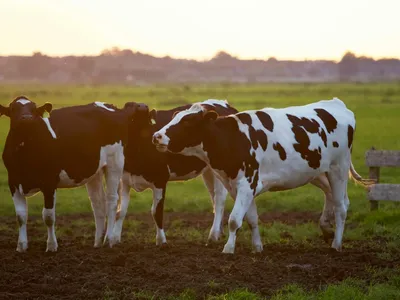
(153, 121)
(46, 114)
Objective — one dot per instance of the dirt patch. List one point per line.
(79, 271)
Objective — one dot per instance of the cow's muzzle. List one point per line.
(26, 117)
(158, 142)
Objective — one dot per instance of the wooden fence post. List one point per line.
(376, 159)
(374, 174)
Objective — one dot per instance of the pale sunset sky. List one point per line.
(285, 29)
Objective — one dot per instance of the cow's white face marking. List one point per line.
(164, 139)
(101, 104)
(47, 122)
(23, 101)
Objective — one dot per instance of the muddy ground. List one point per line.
(78, 271)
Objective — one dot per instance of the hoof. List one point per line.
(164, 245)
(257, 248)
(51, 247)
(213, 238)
(338, 248)
(114, 240)
(22, 247)
(328, 236)
(160, 241)
(228, 249)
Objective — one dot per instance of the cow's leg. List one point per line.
(121, 213)
(21, 210)
(338, 178)
(49, 218)
(218, 195)
(242, 203)
(252, 220)
(98, 199)
(327, 217)
(115, 166)
(157, 210)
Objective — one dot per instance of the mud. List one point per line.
(78, 271)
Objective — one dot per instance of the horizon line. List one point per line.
(199, 59)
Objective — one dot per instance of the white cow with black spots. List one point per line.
(256, 151)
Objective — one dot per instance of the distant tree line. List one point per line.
(126, 66)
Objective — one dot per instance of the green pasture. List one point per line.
(376, 106)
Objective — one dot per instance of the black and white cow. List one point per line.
(74, 146)
(256, 151)
(147, 168)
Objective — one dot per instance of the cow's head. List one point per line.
(137, 111)
(185, 130)
(22, 110)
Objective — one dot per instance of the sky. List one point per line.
(285, 29)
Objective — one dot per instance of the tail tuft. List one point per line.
(358, 179)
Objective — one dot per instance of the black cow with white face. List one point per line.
(271, 150)
(147, 168)
(76, 145)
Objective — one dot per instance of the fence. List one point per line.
(375, 159)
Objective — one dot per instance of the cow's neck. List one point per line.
(217, 141)
(33, 133)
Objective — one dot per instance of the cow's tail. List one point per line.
(357, 177)
(119, 199)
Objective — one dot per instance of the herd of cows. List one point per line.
(241, 153)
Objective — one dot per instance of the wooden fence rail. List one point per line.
(375, 159)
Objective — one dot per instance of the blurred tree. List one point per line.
(35, 66)
(348, 66)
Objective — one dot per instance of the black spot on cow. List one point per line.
(159, 214)
(329, 121)
(311, 126)
(350, 133)
(323, 137)
(256, 136)
(335, 144)
(300, 126)
(230, 150)
(245, 118)
(261, 137)
(253, 182)
(265, 120)
(282, 153)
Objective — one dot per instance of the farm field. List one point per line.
(295, 264)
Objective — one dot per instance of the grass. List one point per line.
(377, 110)
(349, 289)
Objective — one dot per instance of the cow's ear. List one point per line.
(46, 107)
(153, 116)
(210, 115)
(4, 111)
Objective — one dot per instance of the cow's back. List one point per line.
(305, 141)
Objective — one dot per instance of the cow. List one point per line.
(256, 151)
(147, 168)
(74, 146)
